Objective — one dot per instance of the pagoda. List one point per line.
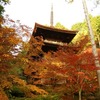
(53, 37)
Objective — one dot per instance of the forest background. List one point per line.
(56, 76)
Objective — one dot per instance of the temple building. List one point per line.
(53, 37)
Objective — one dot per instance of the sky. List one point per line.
(31, 11)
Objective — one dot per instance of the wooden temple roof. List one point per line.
(53, 34)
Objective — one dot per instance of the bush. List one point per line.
(15, 91)
(48, 97)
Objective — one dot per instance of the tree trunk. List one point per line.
(94, 50)
(80, 95)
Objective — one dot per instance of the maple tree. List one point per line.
(13, 60)
(73, 75)
(8, 41)
(68, 71)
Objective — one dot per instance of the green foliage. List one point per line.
(95, 21)
(48, 97)
(24, 98)
(77, 26)
(17, 92)
(69, 1)
(2, 4)
(60, 26)
(82, 28)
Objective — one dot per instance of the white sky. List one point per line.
(31, 11)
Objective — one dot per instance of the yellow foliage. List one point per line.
(5, 84)
(38, 90)
(19, 81)
(31, 88)
(24, 60)
(57, 63)
(3, 96)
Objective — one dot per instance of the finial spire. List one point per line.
(51, 16)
